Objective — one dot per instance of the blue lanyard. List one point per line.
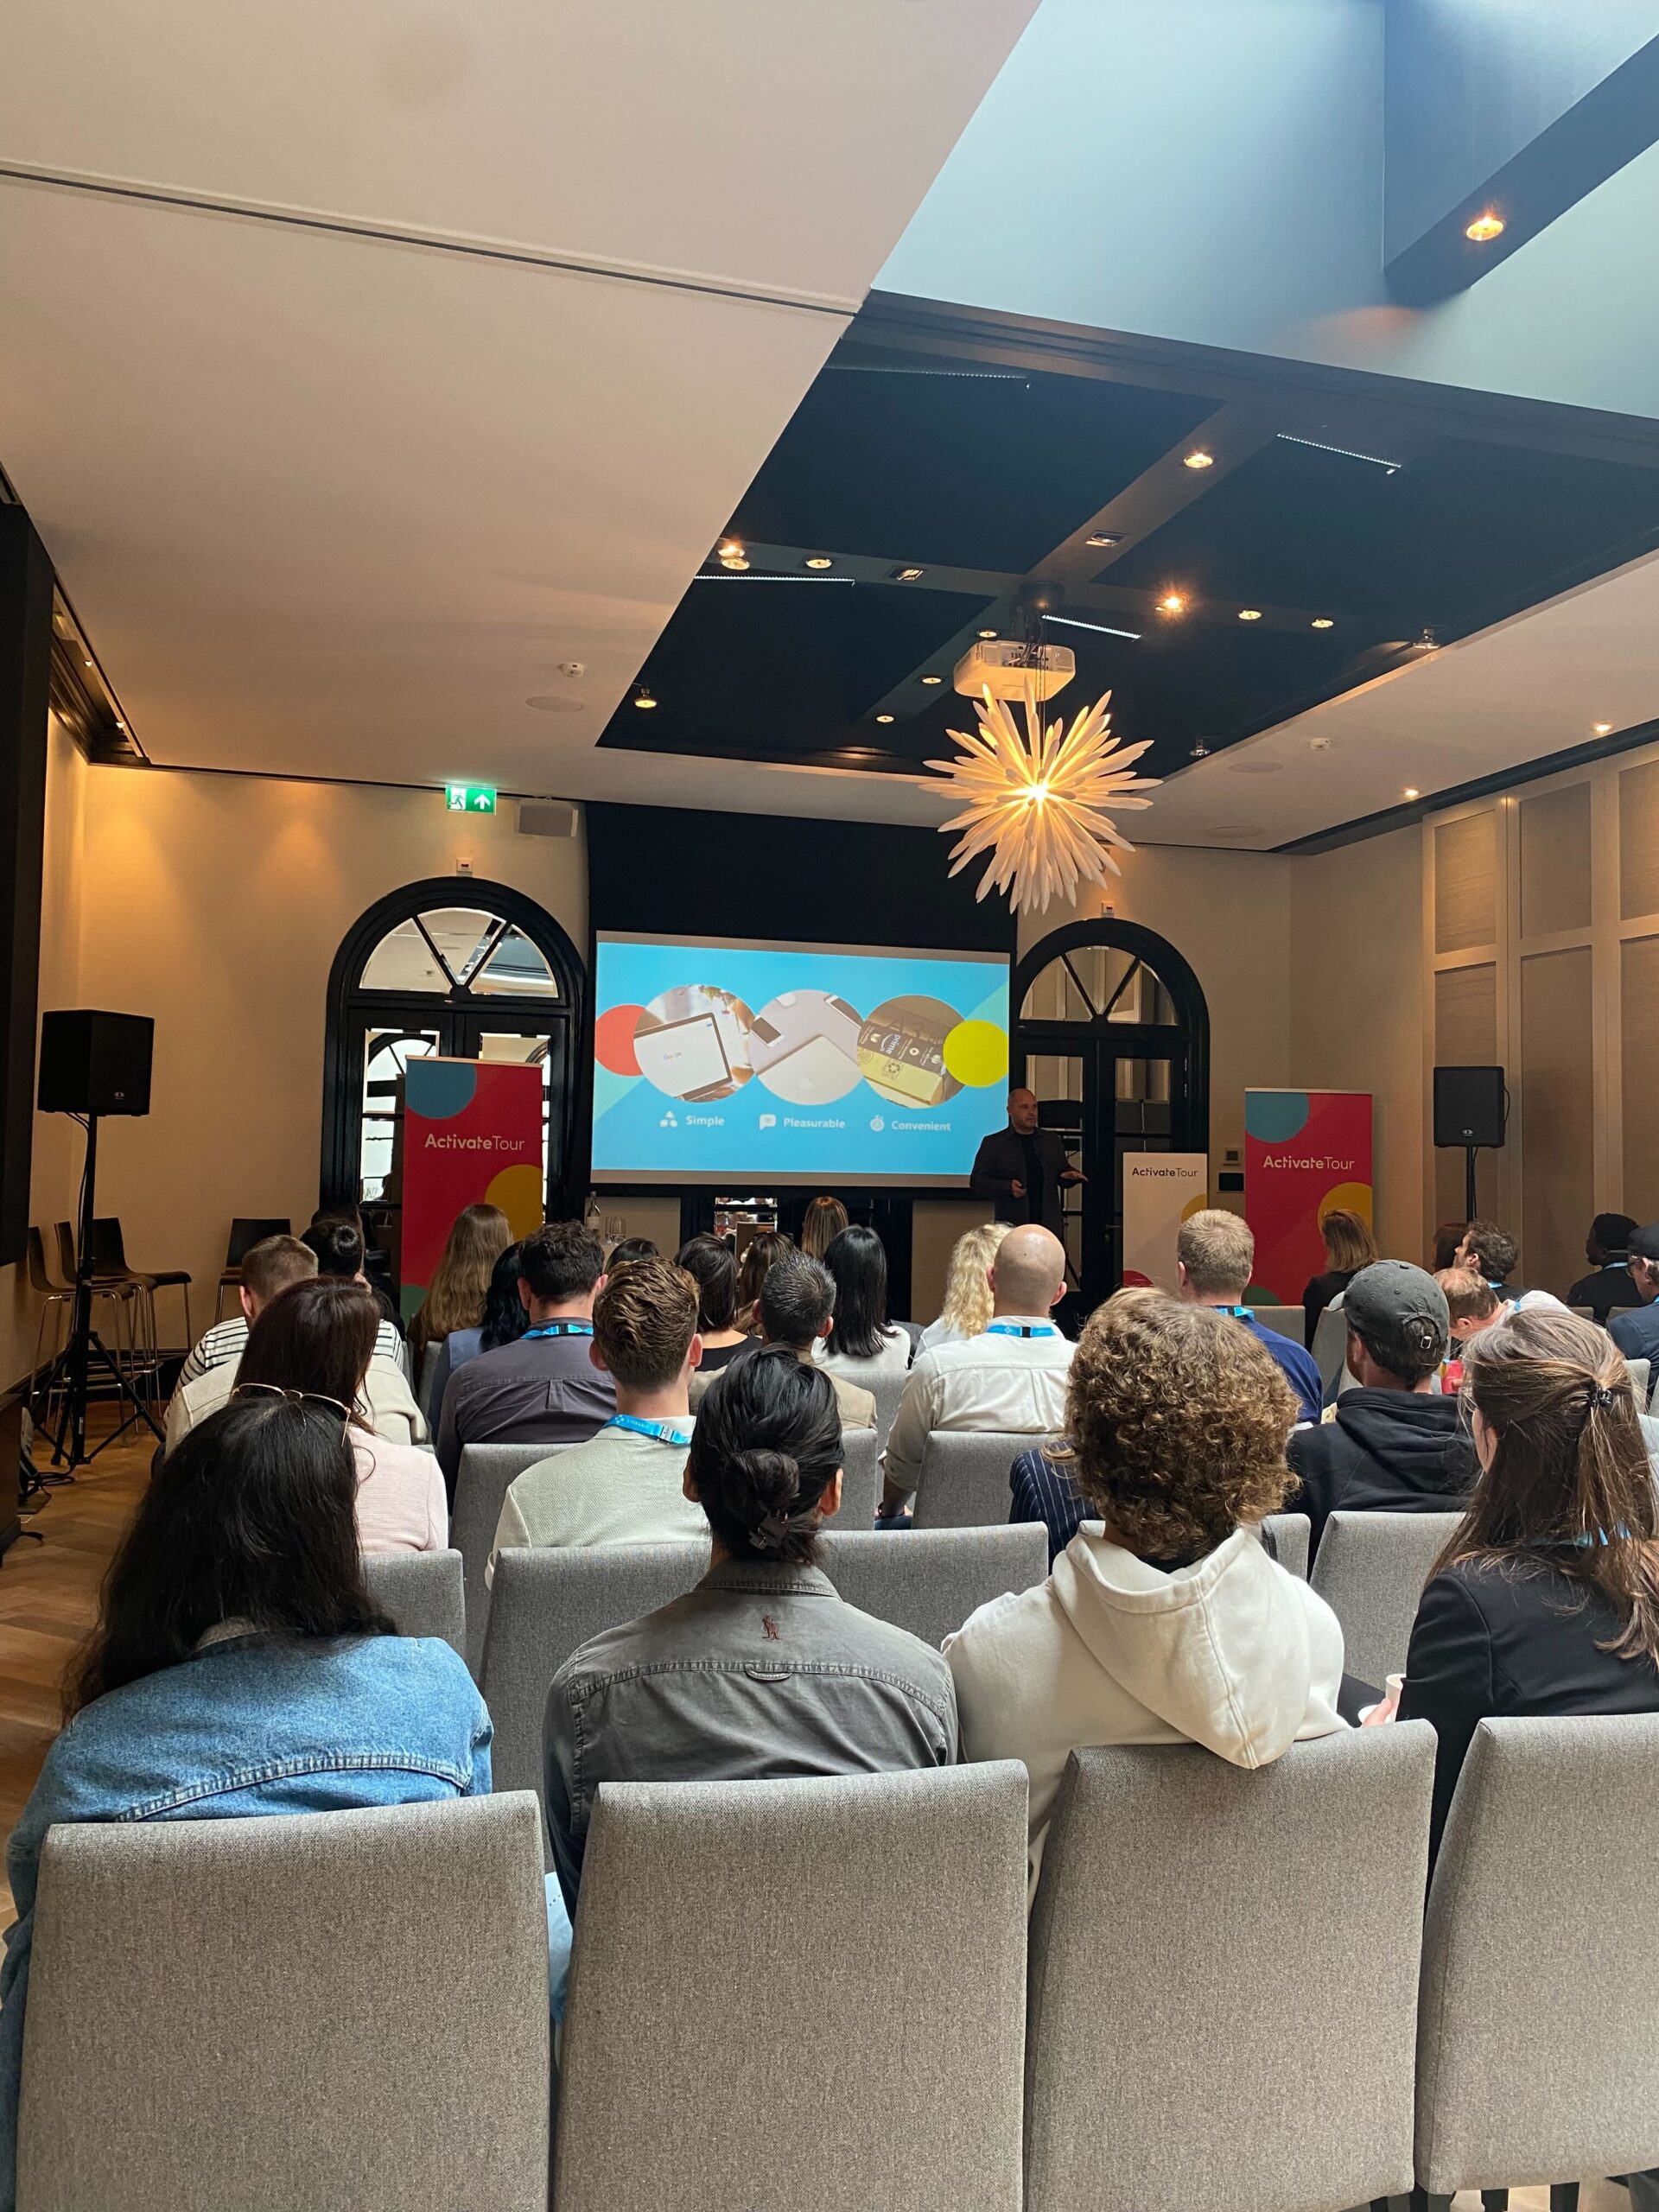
(664, 1431)
(559, 1329)
(1238, 1313)
(1022, 1329)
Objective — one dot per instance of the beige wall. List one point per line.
(217, 904)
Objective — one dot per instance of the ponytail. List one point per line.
(766, 1447)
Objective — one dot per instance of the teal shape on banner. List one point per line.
(608, 1089)
(1275, 1116)
(438, 1090)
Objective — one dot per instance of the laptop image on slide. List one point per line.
(685, 1058)
(804, 1046)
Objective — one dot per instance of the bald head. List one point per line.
(1022, 1112)
(1028, 1273)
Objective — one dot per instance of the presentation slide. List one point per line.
(716, 1061)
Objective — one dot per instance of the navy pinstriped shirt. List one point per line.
(1044, 1492)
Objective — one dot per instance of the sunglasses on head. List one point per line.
(292, 1397)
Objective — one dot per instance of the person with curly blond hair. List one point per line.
(1165, 1620)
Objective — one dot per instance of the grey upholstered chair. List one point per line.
(1370, 1570)
(1329, 1349)
(286, 2013)
(861, 1482)
(429, 1378)
(887, 1391)
(1290, 1532)
(424, 1591)
(1641, 1381)
(486, 1474)
(962, 1482)
(1538, 2036)
(929, 1579)
(1289, 1321)
(1194, 1921)
(877, 1920)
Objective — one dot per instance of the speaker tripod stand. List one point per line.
(73, 1369)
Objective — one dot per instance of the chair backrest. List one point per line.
(248, 1230)
(882, 1926)
(1289, 1320)
(40, 1279)
(1641, 1380)
(1188, 1916)
(1370, 1571)
(547, 1601)
(860, 1481)
(962, 1482)
(1540, 2012)
(424, 1591)
(261, 2013)
(1584, 1313)
(929, 1579)
(482, 1481)
(1330, 1346)
(65, 1237)
(428, 1376)
(1290, 1533)
(887, 1390)
(109, 1246)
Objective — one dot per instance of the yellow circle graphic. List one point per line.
(977, 1053)
(517, 1191)
(1348, 1197)
(1198, 1205)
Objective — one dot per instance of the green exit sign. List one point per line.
(469, 798)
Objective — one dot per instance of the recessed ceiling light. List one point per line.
(1323, 622)
(644, 695)
(728, 546)
(1484, 228)
(1198, 459)
(819, 560)
(907, 576)
(1249, 614)
(988, 633)
(1412, 791)
(884, 718)
(1104, 537)
(932, 679)
(555, 703)
(1602, 729)
(1172, 602)
(732, 561)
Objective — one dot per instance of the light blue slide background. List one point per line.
(640, 1135)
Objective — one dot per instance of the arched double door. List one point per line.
(451, 968)
(1112, 1033)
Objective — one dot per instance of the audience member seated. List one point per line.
(317, 1340)
(762, 1671)
(1546, 1599)
(460, 1282)
(821, 1224)
(1041, 1487)
(1637, 1333)
(1471, 1306)
(543, 1388)
(966, 1308)
(798, 1307)
(338, 1244)
(1395, 1444)
(1012, 1376)
(239, 1668)
(763, 1253)
(1348, 1248)
(862, 1345)
(267, 1268)
(504, 1322)
(1215, 1252)
(1491, 1253)
(626, 1485)
(628, 1249)
(1447, 1238)
(1608, 1285)
(713, 1269)
(1165, 1620)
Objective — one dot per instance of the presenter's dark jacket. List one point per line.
(1002, 1162)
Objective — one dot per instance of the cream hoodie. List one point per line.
(1235, 1653)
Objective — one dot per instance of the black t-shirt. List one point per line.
(1032, 1179)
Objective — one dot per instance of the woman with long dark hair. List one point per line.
(239, 1667)
(760, 1256)
(760, 1670)
(1546, 1598)
(863, 1344)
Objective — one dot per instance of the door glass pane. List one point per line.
(386, 1053)
(1054, 996)
(515, 968)
(460, 939)
(1057, 1078)
(508, 1045)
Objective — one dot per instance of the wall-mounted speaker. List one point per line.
(546, 817)
(1471, 1108)
(95, 1063)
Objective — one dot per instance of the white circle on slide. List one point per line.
(804, 1046)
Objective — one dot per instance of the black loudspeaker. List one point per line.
(1470, 1107)
(95, 1063)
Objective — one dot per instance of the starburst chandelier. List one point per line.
(1037, 799)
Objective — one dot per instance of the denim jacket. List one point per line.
(761, 1672)
(248, 1724)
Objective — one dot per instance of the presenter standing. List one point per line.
(1020, 1169)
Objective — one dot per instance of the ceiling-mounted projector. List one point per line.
(1004, 666)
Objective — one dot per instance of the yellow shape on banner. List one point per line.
(1349, 1198)
(517, 1191)
(977, 1053)
(1195, 1206)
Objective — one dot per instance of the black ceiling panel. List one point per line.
(955, 468)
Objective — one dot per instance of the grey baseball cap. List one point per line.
(1402, 1314)
(1644, 1244)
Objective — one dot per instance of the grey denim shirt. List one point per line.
(761, 1673)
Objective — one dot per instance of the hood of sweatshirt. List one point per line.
(1420, 1440)
(1229, 1652)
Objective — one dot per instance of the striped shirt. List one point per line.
(227, 1342)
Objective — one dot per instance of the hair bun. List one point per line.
(773, 1480)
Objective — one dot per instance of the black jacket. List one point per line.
(1386, 1451)
(1318, 1295)
(1514, 1637)
(1606, 1291)
(999, 1164)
